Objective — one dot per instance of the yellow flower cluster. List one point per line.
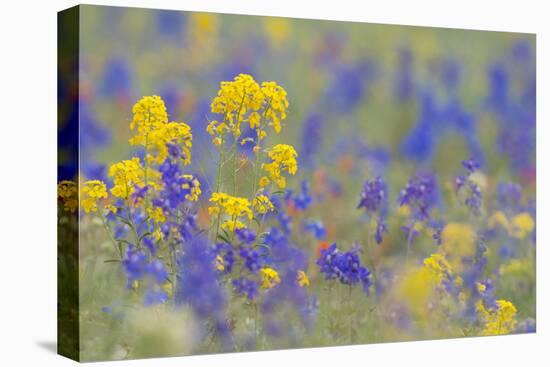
(154, 131)
(177, 133)
(149, 115)
(235, 99)
(156, 214)
(126, 175)
(270, 277)
(68, 193)
(195, 187)
(234, 207)
(438, 266)
(283, 158)
(498, 320)
(241, 100)
(277, 102)
(262, 204)
(420, 286)
(520, 226)
(90, 193)
(303, 280)
(457, 242)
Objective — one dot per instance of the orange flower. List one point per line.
(322, 246)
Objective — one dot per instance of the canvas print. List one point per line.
(233, 183)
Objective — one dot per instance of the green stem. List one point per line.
(109, 231)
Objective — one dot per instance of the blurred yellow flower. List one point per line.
(270, 277)
(67, 191)
(498, 320)
(521, 225)
(303, 280)
(262, 204)
(457, 242)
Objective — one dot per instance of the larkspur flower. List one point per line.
(252, 259)
(245, 235)
(198, 284)
(466, 185)
(345, 267)
(374, 195)
(316, 228)
(301, 200)
(246, 287)
(420, 194)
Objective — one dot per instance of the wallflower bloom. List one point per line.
(262, 204)
(275, 96)
(232, 225)
(234, 100)
(156, 214)
(91, 193)
(439, 266)
(283, 158)
(126, 174)
(172, 135)
(149, 114)
(270, 278)
(498, 320)
(234, 207)
(302, 279)
(67, 191)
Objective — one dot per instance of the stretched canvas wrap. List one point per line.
(233, 183)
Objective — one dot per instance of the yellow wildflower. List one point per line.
(232, 225)
(264, 181)
(194, 186)
(126, 175)
(91, 192)
(439, 267)
(276, 97)
(521, 225)
(67, 191)
(149, 114)
(283, 158)
(235, 207)
(498, 320)
(457, 242)
(303, 280)
(176, 133)
(498, 218)
(262, 204)
(219, 263)
(270, 277)
(235, 99)
(156, 214)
